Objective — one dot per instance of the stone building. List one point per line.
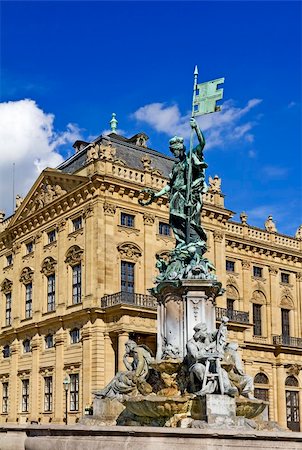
(77, 259)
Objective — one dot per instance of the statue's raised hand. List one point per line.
(149, 200)
(193, 123)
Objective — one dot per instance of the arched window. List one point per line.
(258, 300)
(261, 378)
(261, 390)
(292, 403)
(74, 257)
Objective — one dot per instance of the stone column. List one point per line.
(59, 400)
(149, 263)
(14, 401)
(35, 381)
(63, 288)
(87, 365)
(281, 403)
(123, 337)
(90, 258)
(219, 251)
(273, 406)
(246, 282)
(110, 282)
(109, 359)
(272, 309)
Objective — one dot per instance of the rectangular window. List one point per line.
(285, 323)
(230, 266)
(25, 395)
(257, 319)
(127, 220)
(284, 278)
(49, 341)
(164, 229)
(5, 397)
(74, 336)
(74, 392)
(8, 308)
(52, 236)
(9, 260)
(29, 247)
(76, 284)
(77, 223)
(127, 276)
(28, 300)
(51, 289)
(26, 346)
(47, 394)
(257, 271)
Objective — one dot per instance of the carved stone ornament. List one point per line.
(26, 275)
(298, 234)
(259, 297)
(45, 194)
(149, 218)
(246, 265)
(62, 225)
(146, 160)
(231, 280)
(273, 270)
(293, 369)
(103, 151)
(6, 285)
(218, 235)
(299, 276)
(287, 299)
(109, 209)
(270, 225)
(88, 211)
(48, 266)
(129, 250)
(74, 255)
(232, 292)
(215, 184)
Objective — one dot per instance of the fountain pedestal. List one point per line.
(181, 307)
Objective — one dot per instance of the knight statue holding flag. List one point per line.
(185, 190)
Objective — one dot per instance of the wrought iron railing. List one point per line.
(288, 341)
(233, 315)
(129, 298)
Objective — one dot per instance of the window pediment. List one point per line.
(74, 255)
(26, 275)
(6, 285)
(48, 265)
(129, 250)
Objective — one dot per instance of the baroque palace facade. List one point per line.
(77, 259)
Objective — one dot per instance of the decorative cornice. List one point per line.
(129, 250)
(26, 275)
(48, 266)
(74, 255)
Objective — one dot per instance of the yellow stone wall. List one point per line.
(99, 193)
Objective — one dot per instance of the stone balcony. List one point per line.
(233, 315)
(129, 298)
(287, 341)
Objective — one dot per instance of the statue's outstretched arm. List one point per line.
(199, 134)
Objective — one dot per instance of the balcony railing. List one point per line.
(129, 298)
(287, 341)
(233, 315)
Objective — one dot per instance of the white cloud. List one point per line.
(275, 172)
(221, 129)
(28, 140)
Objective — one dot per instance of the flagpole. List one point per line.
(189, 182)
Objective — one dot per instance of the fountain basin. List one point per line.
(158, 406)
(249, 408)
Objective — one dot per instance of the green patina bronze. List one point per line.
(185, 189)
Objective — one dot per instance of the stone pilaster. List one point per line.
(35, 389)
(13, 383)
(59, 403)
(109, 359)
(86, 365)
(281, 403)
(123, 337)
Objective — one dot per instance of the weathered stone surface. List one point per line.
(105, 410)
(214, 408)
(138, 438)
(250, 408)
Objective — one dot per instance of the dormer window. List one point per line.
(51, 236)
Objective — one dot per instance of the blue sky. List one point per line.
(66, 66)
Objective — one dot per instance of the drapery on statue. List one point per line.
(133, 380)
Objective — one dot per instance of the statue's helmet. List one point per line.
(176, 143)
